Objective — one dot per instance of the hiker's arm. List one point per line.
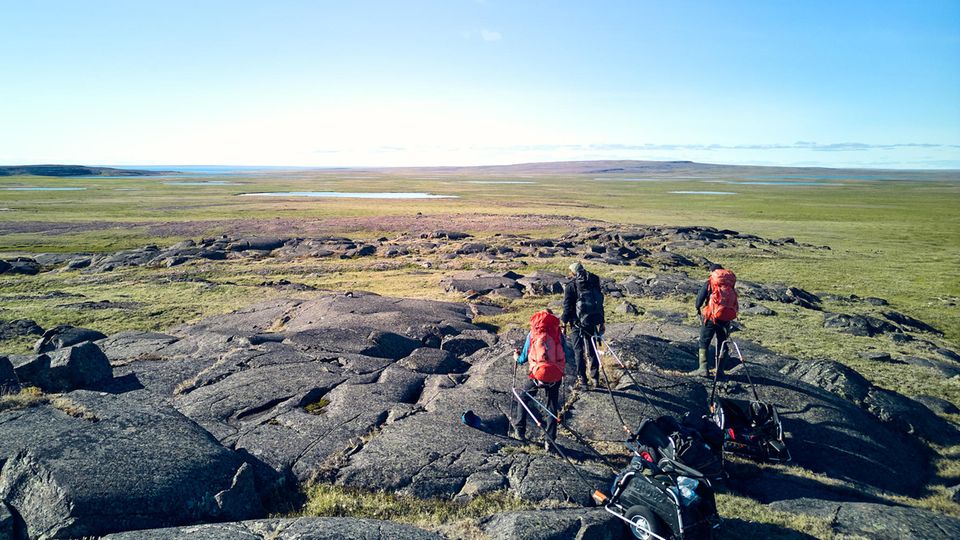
(569, 303)
(522, 359)
(702, 295)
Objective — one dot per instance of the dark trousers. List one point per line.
(553, 405)
(708, 329)
(587, 363)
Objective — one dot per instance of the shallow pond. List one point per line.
(351, 195)
(208, 183)
(771, 183)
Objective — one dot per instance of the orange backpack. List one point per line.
(723, 305)
(547, 360)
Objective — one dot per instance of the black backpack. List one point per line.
(589, 303)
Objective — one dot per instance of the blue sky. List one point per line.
(341, 83)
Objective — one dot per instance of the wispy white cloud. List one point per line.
(490, 35)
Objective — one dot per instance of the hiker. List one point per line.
(544, 348)
(583, 311)
(717, 306)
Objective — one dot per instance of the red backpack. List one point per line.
(547, 361)
(723, 305)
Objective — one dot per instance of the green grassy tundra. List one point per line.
(893, 235)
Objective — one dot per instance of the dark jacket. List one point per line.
(703, 295)
(586, 280)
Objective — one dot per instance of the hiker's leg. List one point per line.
(707, 330)
(593, 370)
(553, 405)
(520, 422)
(579, 350)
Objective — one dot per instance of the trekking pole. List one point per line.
(580, 438)
(746, 371)
(514, 382)
(606, 382)
(551, 441)
(626, 370)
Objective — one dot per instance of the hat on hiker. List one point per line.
(715, 266)
(576, 268)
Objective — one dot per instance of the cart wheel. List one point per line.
(648, 521)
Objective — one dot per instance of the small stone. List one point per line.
(626, 308)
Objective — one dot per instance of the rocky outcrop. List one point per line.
(89, 463)
(19, 327)
(576, 523)
(332, 528)
(878, 521)
(367, 392)
(899, 412)
(858, 325)
(65, 336)
(9, 382)
(20, 265)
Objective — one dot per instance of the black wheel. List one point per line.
(647, 522)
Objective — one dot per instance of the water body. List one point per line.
(633, 179)
(45, 188)
(772, 183)
(351, 195)
(704, 192)
(207, 183)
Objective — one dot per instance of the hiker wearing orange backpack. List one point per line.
(544, 352)
(720, 296)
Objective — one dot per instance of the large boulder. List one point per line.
(910, 322)
(9, 382)
(65, 336)
(541, 283)
(89, 463)
(256, 244)
(858, 325)
(304, 528)
(20, 265)
(19, 327)
(78, 366)
(477, 281)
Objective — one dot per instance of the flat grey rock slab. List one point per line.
(430, 453)
(415, 319)
(564, 524)
(93, 463)
(306, 528)
(878, 521)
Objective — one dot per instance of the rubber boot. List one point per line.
(703, 370)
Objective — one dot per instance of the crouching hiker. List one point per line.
(544, 352)
(720, 297)
(583, 310)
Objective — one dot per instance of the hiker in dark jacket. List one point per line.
(715, 320)
(583, 312)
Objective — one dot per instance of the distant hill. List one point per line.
(72, 170)
(666, 169)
